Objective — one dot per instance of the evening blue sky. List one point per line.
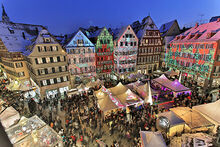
(66, 16)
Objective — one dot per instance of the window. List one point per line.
(130, 35)
(41, 83)
(46, 71)
(126, 35)
(121, 43)
(64, 58)
(58, 80)
(61, 79)
(48, 60)
(55, 59)
(45, 48)
(66, 68)
(131, 43)
(126, 43)
(44, 83)
(135, 43)
(39, 49)
(18, 65)
(51, 48)
(54, 48)
(51, 59)
(51, 81)
(58, 59)
(65, 79)
(55, 80)
(44, 60)
(21, 74)
(47, 40)
(108, 41)
(38, 72)
(53, 70)
(48, 82)
(60, 69)
(36, 61)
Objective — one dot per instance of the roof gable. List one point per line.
(120, 32)
(167, 28)
(16, 36)
(79, 36)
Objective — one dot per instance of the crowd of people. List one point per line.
(84, 123)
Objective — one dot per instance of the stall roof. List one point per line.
(210, 110)
(192, 118)
(175, 86)
(118, 89)
(129, 98)
(171, 73)
(172, 117)
(46, 136)
(152, 139)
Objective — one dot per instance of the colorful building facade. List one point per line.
(103, 52)
(196, 54)
(125, 51)
(47, 65)
(81, 58)
(150, 45)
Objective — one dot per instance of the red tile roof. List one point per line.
(200, 33)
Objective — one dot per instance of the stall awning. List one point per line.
(118, 89)
(152, 139)
(211, 110)
(192, 118)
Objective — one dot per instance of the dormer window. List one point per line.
(197, 35)
(182, 37)
(79, 42)
(190, 36)
(177, 37)
(47, 40)
(210, 34)
(11, 30)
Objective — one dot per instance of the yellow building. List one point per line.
(47, 64)
(13, 40)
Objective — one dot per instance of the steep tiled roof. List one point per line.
(16, 36)
(199, 33)
(118, 32)
(214, 18)
(165, 27)
(146, 24)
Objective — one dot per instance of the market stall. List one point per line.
(173, 86)
(176, 124)
(210, 111)
(143, 91)
(135, 85)
(152, 139)
(118, 89)
(128, 98)
(45, 136)
(33, 132)
(194, 120)
(9, 117)
(24, 128)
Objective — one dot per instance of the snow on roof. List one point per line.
(146, 24)
(44, 34)
(214, 18)
(16, 36)
(95, 33)
(118, 32)
(165, 27)
(204, 30)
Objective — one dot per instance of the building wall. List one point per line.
(51, 75)
(104, 54)
(125, 52)
(149, 51)
(14, 65)
(81, 58)
(194, 58)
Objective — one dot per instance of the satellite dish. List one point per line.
(163, 124)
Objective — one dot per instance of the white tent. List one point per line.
(210, 111)
(192, 118)
(9, 116)
(152, 139)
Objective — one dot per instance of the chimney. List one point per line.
(23, 35)
(218, 20)
(196, 25)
